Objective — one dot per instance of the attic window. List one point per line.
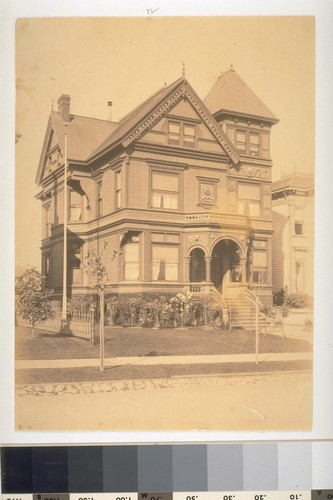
(181, 134)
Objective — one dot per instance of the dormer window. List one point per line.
(181, 134)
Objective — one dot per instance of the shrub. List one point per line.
(297, 300)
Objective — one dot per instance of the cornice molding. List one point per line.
(248, 172)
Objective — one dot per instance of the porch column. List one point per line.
(243, 269)
(187, 259)
(208, 261)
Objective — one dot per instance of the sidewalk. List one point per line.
(162, 360)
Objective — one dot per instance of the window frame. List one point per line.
(118, 189)
(165, 192)
(72, 206)
(164, 240)
(99, 198)
(260, 268)
(299, 221)
(248, 144)
(247, 201)
(182, 135)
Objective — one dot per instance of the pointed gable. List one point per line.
(134, 125)
(230, 94)
(84, 135)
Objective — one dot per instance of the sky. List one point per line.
(125, 60)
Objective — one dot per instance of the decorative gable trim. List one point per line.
(48, 136)
(168, 104)
(154, 117)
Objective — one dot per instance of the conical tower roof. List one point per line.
(230, 94)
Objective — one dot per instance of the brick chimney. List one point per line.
(63, 107)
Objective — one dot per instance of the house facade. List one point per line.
(180, 189)
(293, 237)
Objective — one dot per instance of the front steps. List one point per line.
(242, 315)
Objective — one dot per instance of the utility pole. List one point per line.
(64, 278)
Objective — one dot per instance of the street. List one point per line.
(256, 402)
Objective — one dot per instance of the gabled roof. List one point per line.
(134, 124)
(231, 94)
(298, 181)
(130, 121)
(84, 136)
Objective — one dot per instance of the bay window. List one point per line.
(249, 199)
(131, 260)
(165, 256)
(165, 190)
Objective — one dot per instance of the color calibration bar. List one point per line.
(256, 470)
(208, 495)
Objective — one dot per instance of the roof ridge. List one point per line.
(154, 94)
(86, 117)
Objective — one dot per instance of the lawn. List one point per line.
(128, 372)
(121, 342)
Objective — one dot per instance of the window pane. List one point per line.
(249, 191)
(174, 133)
(259, 259)
(131, 271)
(165, 182)
(118, 179)
(157, 200)
(172, 238)
(157, 237)
(170, 201)
(174, 128)
(254, 208)
(131, 261)
(189, 135)
(75, 213)
(165, 263)
(131, 252)
(241, 141)
(298, 228)
(259, 277)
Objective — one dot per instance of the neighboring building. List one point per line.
(180, 188)
(293, 237)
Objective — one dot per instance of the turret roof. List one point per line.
(230, 94)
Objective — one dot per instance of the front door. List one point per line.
(225, 257)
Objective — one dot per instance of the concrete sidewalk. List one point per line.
(161, 360)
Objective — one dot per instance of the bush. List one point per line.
(297, 301)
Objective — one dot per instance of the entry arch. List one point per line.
(228, 263)
(198, 258)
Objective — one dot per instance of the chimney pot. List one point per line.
(64, 107)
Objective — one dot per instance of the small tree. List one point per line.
(98, 276)
(34, 298)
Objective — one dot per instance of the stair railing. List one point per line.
(256, 302)
(217, 296)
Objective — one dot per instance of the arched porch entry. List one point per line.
(197, 265)
(228, 267)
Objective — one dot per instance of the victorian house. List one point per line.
(180, 188)
(293, 237)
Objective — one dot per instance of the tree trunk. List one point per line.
(101, 330)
